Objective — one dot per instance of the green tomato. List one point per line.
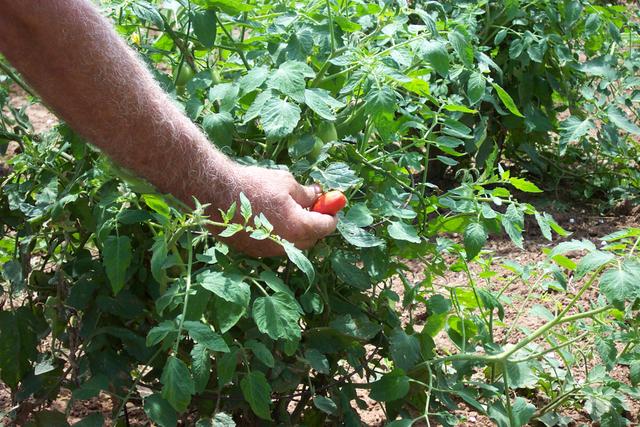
(182, 74)
(327, 132)
(316, 150)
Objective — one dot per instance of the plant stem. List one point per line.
(186, 296)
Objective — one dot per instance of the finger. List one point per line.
(320, 224)
(305, 195)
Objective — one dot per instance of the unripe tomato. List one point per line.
(182, 74)
(330, 203)
(327, 132)
(316, 150)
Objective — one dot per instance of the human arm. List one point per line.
(81, 68)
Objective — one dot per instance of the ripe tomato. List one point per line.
(330, 203)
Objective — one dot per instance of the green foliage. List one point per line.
(426, 105)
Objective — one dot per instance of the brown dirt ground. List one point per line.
(583, 223)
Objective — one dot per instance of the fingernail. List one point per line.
(317, 188)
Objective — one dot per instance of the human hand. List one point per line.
(283, 201)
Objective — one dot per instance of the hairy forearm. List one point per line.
(95, 82)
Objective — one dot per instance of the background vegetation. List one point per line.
(436, 119)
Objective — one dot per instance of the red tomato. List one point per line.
(330, 203)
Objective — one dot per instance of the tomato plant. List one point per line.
(433, 119)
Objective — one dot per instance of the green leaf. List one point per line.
(279, 117)
(219, 127)
(203, 334)
(277, 315)
(522, 412)
(226, 366)
(620, 284)
(177, 384)
(18, 342)
(325, 404)
(219, 420)
(513, 223)
(275, 283)
(524, 185)
(158, 333)
(289, 79)
(404, 349)
(257, 393)
(204, 27)
(436, 54)
(157, 203)
(116, 257)
(357, 236)
(634, 373)
(160, 411)
(300, 260)
(253, 79)
(475, 236)
(402, 231)
(261, 352)
(572, 130)
(593, 261)
(462, 47)
(344, 265)
(201, 367)
(337, 176)
(392, 386)
(245, 207)
(622, 121)
(231, 7)
(507, 100)
(322, 103)
(380, 101)
(545, 228)
(317, 361)
(229, 287)
(475, 87)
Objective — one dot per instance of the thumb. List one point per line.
(305, 195)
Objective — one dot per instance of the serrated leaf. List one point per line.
(462, 47)
(402, 231)
(513, 222)
(404, 349)
(337, 176)
(203, 334)
(257, 392)
(253, 79)
(219, 127)
(572, 130)
(205, 27)
(592, 261)
(289, 79)
(200, 366)
(277, 315)
(475, 87)
(177, 384)
(436, 54)
(116, 257)
(300, 260)
(524, 185)
(622, 121)
(279, 118)
(392, 386)
(160, 411)
(158, 333)
(322, 103)
(507, 100)
(545, 228)
(261, 352)
(229, 287)
(475, 236)
(358, 236)
(620, 284)
(325, 404)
